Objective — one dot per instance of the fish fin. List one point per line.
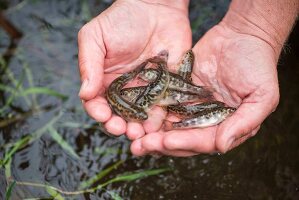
(167, 125)
(207, 93)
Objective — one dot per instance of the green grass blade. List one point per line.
(14, 93)
(11, 77)
(57, 137)
(76, 125)
(108, 151)
(7, 167)
(19, 144)
(43, 90)
(114, 195)
(54, 193)
(99, 176)
(30, 82)
(6, 88)
(9, 190)
(134, 176)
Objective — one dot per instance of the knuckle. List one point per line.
(85, 30)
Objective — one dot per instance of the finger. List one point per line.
(98, 109)
(246, 119)
(135, 130)
(91, 58)
(116, 125)
(156, 115)
(152, 144)
(195, 140)
(243, 138)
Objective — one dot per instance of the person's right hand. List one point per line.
(118, 40)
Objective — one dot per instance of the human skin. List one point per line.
(237, 57)
(118, 40)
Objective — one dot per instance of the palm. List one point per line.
(241, 68)
(121, 38)
(138, 35)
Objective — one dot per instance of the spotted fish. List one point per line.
(192, 109)
(186, 65)
(176, 82)
(120, 106)
(206, 118)
(171, 97)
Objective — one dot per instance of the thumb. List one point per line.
(91, 57)
(243, 124)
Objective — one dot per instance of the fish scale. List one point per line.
(120, 106)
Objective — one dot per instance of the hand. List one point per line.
(118, 40)
(242, 69)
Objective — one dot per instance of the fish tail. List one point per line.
(207, 93)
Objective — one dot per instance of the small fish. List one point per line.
(176, 82)
(186, 66)
(155, 90)
(206, 118)
(171, 97)
(131, 94)
(120, 106)
(190, 110)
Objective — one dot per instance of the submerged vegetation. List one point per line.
(14, 90)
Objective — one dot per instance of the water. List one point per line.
(265, 167)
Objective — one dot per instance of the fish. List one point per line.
(120, 106)
(206, 118)
(192, 109)
(171, 97)
(155, 90)
(176, 82)
(186, 65)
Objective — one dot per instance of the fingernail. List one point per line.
(83, 86)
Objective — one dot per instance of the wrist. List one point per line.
(266, 21)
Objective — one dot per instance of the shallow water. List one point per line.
(264, 167)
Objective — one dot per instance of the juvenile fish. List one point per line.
(120, 106)
(176, 82)
(190, 110)
(186, 66)
(206, 118)
(171, 97)
(154, 90)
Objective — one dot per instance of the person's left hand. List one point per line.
(242, 69)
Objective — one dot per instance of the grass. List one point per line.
(127, 177)
(16, 91)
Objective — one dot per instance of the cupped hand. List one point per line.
(242, 70)
(118, 40)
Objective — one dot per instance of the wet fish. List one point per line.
(190, 110)
(186, 65)
(171, 97)
(155, 90)
(176, 82)
(206, 118)
(120, 106)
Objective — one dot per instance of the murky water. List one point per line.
(265, 167)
